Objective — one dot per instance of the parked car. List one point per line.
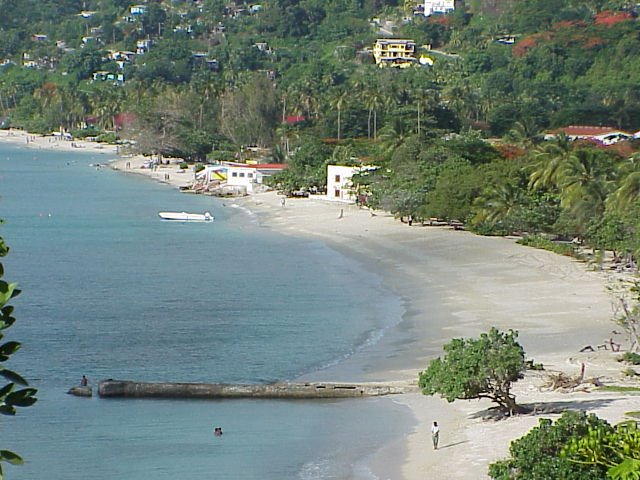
(303, 192)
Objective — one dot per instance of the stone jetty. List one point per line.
(284, 390)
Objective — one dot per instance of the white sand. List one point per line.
(453, 284)
(50, 142)
(556, 304)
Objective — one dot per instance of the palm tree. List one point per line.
(628, 191)
(523, 133)
(287, 134)
(497, 203)
(338, 102)
(73, 106)
(550, 159)
(107, 104)
(47, 94)
(585, 184)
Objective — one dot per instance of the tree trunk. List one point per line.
(508, 403)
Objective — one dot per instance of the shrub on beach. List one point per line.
(107, 137)
(537, 455)
(578, 446)
(538, 241)
(630, 357)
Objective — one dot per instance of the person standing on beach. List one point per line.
(435, 435)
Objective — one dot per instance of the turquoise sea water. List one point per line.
(111, 291)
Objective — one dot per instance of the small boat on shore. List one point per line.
(186, 217)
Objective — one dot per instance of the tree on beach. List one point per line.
(477, 368)
(11, 396)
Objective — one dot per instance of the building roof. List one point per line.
(258, 166)
(269, 166)
(394, 41)
(586, 131)
(293, 119)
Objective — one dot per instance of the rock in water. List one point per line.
(81, 391)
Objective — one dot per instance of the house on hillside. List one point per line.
(143, 46)
(138, 9)
(507, 39)
(603, 135)
(390, 52)
(431, 7)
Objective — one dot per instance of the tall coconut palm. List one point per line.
(338, 103)
(550, 160)
(628, 191)
(523, 133)
(107, 104)
(585, 184)
(47, 94)
(287, 134)
(497, 203)
(73, 106)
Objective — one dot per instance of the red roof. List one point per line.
(258, 166)
(293, 119)
(269, 166)
(586, 131)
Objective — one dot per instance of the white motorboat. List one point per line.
(186, 217)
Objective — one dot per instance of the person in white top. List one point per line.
(435, 434)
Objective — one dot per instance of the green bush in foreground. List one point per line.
(577, 447)
(11, 396)
(537, 455)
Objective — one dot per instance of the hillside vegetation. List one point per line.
(204, 79)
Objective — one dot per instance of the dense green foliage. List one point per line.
(201, 80)
(11, 396)
(477, 368)
(577, 446)
(538, 454)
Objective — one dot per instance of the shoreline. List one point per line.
(457, 284)
(452, 284)
(50, 142)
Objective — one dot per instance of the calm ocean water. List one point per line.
(111, 291)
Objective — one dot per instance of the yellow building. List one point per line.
(391, 52)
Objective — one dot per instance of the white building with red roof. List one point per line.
(250, 177)
(604, 135)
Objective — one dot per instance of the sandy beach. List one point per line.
(452, 284)
(456, 284)
(54, 142)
